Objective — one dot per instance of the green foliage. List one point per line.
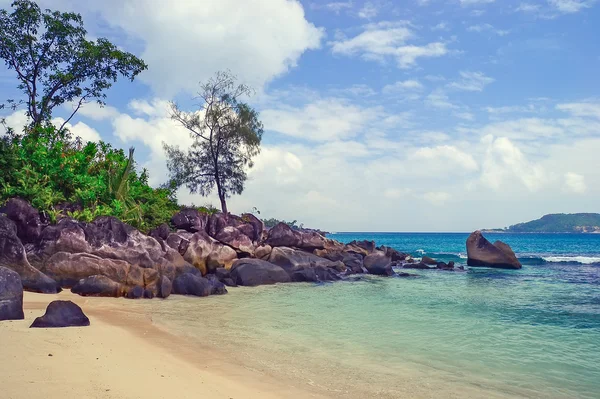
(227, 135)
(560, 223)
(47, 168)
(54, 62)
(273, 222)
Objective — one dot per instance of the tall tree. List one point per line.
(55, 63)
(227, 135)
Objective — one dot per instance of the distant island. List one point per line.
(557, 223)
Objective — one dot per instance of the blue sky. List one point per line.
(420, 115)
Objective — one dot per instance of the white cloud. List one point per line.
(584, 109)
(575, 183)
(187, 41)
(437, 198)
(335, 6)
(571, 6)
(322, 120)
(441, 26)
(18, 120)
(528, 7)
(402, 86)
(369, 11)
(384, 40)
(471, 81)
(509, 109)
(95, 111)
(469, 3)
(445, 159)
(487, 28)
(396, 193)
(468, 116)
(439, 99)
(505, 164)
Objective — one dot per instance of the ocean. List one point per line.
(481, 333)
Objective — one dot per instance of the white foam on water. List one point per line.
(586, 260)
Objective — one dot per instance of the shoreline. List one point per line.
(122, 354)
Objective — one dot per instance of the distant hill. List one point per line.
(559, 223)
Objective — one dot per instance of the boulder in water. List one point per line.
(482, 253)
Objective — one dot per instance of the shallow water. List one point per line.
(533, 332)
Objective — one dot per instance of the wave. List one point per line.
(584, 260)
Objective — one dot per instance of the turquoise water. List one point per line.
(533, 332)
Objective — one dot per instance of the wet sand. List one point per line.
(121, 355)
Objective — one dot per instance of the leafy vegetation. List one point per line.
(227, 135)
(54, 62)
(60, 175)
(273, 222)
(560, 223)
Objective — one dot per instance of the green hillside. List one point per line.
(560, 223)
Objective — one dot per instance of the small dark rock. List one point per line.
(61, 314)
(135, 293)
(429, 261)
(164, 287)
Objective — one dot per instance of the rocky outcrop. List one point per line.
(99, 286)
(62, 314)
(394, 254)
(12, 256)
(26, 218)
(236, 239)
(482, 253)
(161, 232)
(378, 263)
(191, 220)
(292, 260)
(202, 251)
(253, 272)
(67, 269)
(352, 260)
(11, 295)
(282, 235)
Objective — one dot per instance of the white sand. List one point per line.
(121, 356)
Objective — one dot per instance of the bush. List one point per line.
(48, 168)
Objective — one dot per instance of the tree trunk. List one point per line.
(221, 197)
(223, 204)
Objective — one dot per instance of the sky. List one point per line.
(414, 115)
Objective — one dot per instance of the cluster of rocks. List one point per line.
(198, 254)
(58, 313)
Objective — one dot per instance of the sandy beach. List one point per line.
(121, 355)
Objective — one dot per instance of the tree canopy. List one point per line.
(227, 135)
(54, 61)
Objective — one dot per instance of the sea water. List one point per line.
(533, 332)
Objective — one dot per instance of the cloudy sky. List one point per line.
(413, 115)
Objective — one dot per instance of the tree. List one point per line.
(227, 135)
(55, 63)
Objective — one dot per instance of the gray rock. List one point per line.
(61, 314)
(99, 286)
(11, 295)
(253, 272)
(482, 253)
(190, 284)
